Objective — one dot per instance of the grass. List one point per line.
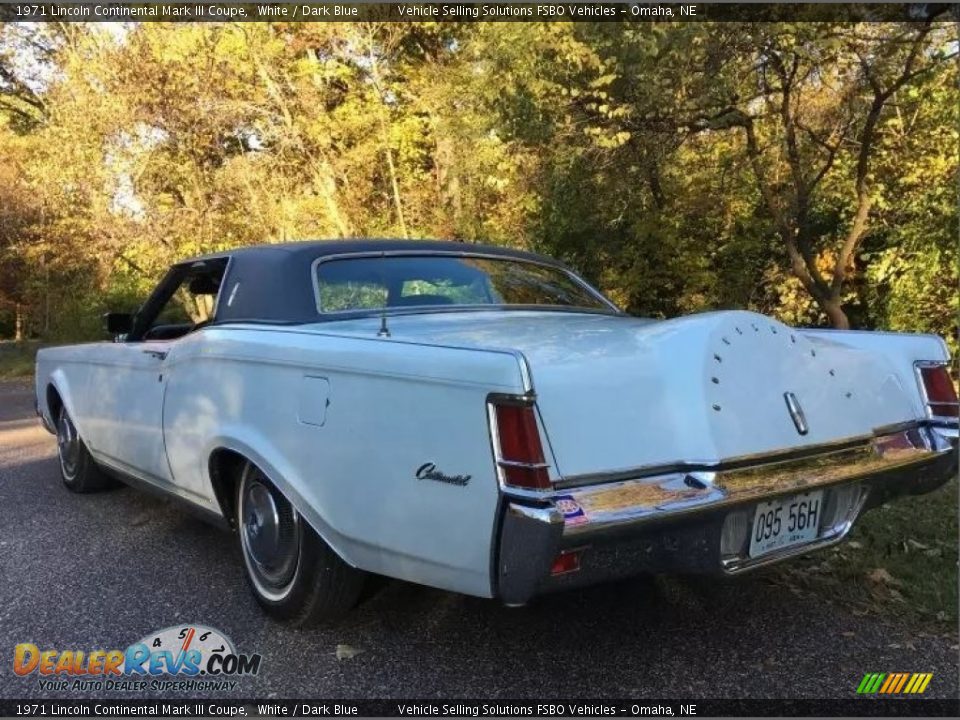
(900, 563)
(16, 360)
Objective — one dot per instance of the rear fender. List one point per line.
(901, 351)
(258, 449)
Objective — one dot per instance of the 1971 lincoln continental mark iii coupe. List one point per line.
(484, 421)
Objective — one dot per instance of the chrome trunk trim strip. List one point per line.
(612, 505)
(765, 458)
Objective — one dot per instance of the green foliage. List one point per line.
(621, 149)
(17, 360)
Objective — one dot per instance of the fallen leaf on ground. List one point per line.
(881, 576)
(854, 544)
(345, 652)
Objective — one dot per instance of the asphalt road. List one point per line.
(102, 571)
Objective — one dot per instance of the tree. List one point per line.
(681, 166)
(822, 100)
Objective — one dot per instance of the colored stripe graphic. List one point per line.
(894, 683)
(869, 683)
(891, 679)
(903, 681)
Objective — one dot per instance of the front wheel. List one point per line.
(294, 574)
(77, 468)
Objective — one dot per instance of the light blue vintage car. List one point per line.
(482, 420)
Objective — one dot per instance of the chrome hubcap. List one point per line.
(270, 534)
(68, 444)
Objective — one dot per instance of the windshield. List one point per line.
(372, 283)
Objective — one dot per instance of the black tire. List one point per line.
(294, 574)
(79, 471)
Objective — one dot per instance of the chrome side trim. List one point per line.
(222, 288)
(526, 376)
(529, 466)
(155, 486)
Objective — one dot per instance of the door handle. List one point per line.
(158, 354)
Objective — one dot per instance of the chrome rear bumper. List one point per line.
(696, 518)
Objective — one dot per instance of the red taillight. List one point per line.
(941, 394)
(520, 451)
(566, 562)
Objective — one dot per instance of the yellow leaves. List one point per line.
(606, 139)
(496, 182)
(602, 81)
(620, 296)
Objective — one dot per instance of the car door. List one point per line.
(126, 391)
(129, 383)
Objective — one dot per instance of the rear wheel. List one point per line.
(77, 468)
(294, 574)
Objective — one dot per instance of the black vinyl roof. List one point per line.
(323, 248)
(273, 283)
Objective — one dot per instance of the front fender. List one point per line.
(68, 398)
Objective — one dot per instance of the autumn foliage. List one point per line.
(805, 170)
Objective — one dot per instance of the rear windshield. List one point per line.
(372, 283)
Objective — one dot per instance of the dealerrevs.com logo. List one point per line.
(191, 657)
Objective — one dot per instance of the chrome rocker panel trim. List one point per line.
(673, 522)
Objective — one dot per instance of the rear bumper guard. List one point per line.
(697, 519)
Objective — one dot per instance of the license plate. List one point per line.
(784, 522)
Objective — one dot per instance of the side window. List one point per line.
(187, 306)
(187, 303)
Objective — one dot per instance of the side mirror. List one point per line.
(118, 323)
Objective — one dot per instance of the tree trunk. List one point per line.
(834, 311)
(18, 324)
(392, 170)
(46, 298)
(385, 138)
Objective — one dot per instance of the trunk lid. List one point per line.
(620, 393)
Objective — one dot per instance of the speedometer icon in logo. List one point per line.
(179, 649)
